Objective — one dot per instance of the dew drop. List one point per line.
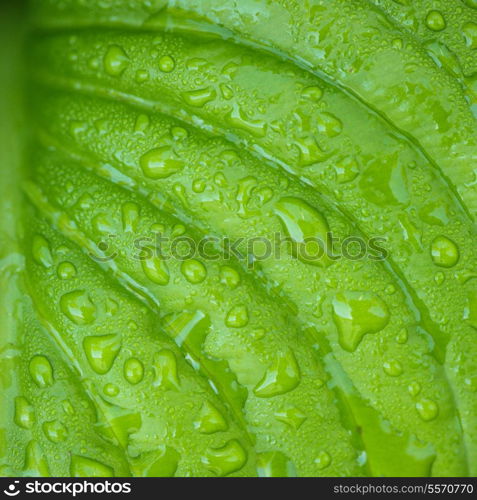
(165, 369)
(312, 93)
(210, 420)
(133, 371)
(55, 431)
(470, 34)
(24, 414)
(357, 314)
(142, 123)
(329, 125)
(392, 368)
(101, 351)
(66, 270)
(274, 464)
(111, 390)
(323, 460)
(166, 64)
(229, 277)
(160, 163)
(444, 252)
(78, 308)
(41, 371)
(291, 416)
(225, 460)
(427, 409)
(115, 61)
(194, 271)
(41, 251)
(130, 216)
(346, 170)
(237, 317)
(199, 98)
(281, 377)
(156, 270)
(435, 21)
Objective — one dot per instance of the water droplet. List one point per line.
(237, 317)
(101, 351)
(41, 251)
(41, 371)
(402, 336)
(427, 409)
(274, 464)
(225, 460)
(166, 64)
(470, 310)
(444, 252)
(307, 228)
(194, 271)
(55, 431)
(156, 270)
(229, 277)
(24, 413)
(470, 34)
(226, 91)
(291, 416)
(471, 383)
(357, 314)
(142, 123)
(179, 133)
(435, 21)
(160, 163)
(414, 388)
(111, 390)
(200, 97)
(66, 270)
(236, 118)
(210, 420)
(282, 376)
(329, 125)
(310, 152)
(392, 368)
(346, 169)
(87, 467)
(312, 93)
(115, 61)
(142, 75)
(245, 189)
(130, 216)
(78, 308)
(165, 369)
(35, 461)
(323, 460)
(133, 371)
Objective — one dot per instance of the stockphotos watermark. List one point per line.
(67, 487)
(249, 250)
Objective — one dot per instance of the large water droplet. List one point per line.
(41, 251)
(236, 118)
(133, 371)
(41, 371)
(87, 467)
(55, 431)
(357, 314)
(237, 317)
(225, 460)
(347, 169)
(160, 163)
(66, 270)
(165, 369)
(310, 152)
(200, 97)
(194, 271)
(115, 61)
(444, 252)
(166, 64)
(101, 351)
(274, 464)
(281, 377)
(291, 416)
(435, 21)
(307, 229)
(392, 368)
(229, 277)
(210, 420)
(24, 414)
(156, 270)
(427, 409)
(77, 307)
(329, 125)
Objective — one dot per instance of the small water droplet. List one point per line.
(229, 277)
(130, 216)
(24, 414)
(347, 169)
(323, 460)
(156, 270)
(200, 97)
(111, 390)
(392, 368)
(435, 21)
(329, 125)
(55, 431)
(312, 93)
(165, 369)
(291, 416)
(166, 64)
(274, 464)
(414, 388)
(66, 270)
(41, 251)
